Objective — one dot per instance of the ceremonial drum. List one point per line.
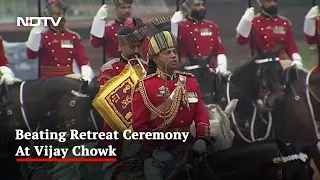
(113, 102)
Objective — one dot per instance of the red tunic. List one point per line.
(141, 121)
(199, 39)
(57, 53)
(268, 32)
(3, 58)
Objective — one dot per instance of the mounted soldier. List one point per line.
(129, 43)
(58, 47)
(199, 44)
(267, 30)
(6, 74)
(178, 94)
(270, 36)
(102, 32)
(311, 26)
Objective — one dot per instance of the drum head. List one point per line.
(161, 155)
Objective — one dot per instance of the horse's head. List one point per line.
(73, 108)
(269, 78)
(220, 125)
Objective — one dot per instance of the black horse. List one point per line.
(259, 79)
(57, 104)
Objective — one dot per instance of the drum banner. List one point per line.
(113, 102)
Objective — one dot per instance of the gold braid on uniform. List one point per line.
(178, 99)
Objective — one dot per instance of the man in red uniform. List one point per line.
(199, 38)
(177, 93)
(6, 73)
(268, 30)
(130, 41)
(102, 31)
(57, 47)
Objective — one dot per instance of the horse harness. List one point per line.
(6, 103)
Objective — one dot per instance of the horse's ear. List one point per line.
(231, 107)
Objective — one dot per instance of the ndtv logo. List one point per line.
(36, 21)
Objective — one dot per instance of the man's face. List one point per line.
(168, 58)
(269, 3)
(123, 12)
(130, 51)
(199, 11)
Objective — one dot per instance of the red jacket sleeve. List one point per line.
(201, 117)
(98, 42)
(242, 40)
(291, 46)
(219, 49)
(81, 56)
(3, 57)
(140, 119)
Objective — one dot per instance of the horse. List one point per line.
(57, 104)
(299, 109)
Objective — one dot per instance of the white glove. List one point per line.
(313, 13)
(177, 17)
(297, 63)
(200, 146)
(8, 79)
(309, 26)
(34, 39)
(87, 73)
(7, 76)
(98, 24)
(222, 65)
(245, 24)
(102, 12)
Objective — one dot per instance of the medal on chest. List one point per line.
(206, 32)
(192, 97)
(163, 92)
(67, 44)
(279, 30)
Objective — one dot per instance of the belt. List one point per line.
(56, 70)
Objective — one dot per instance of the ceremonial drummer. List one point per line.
(198, 38)
(6, 73)
(137, 23)
(102, 32)
(268, 29)
(177, 93)
(58, 47)
(129, 43)
(310, 24)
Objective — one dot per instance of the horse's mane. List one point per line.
(242, 68)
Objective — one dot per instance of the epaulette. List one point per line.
(74, 33)
(185, 73)
(148, 77)
(285, 18)
(110, 23)
(108, 65)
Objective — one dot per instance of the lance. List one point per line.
(104, 60)
(317, 35)
(39, 57)
(251, 35)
